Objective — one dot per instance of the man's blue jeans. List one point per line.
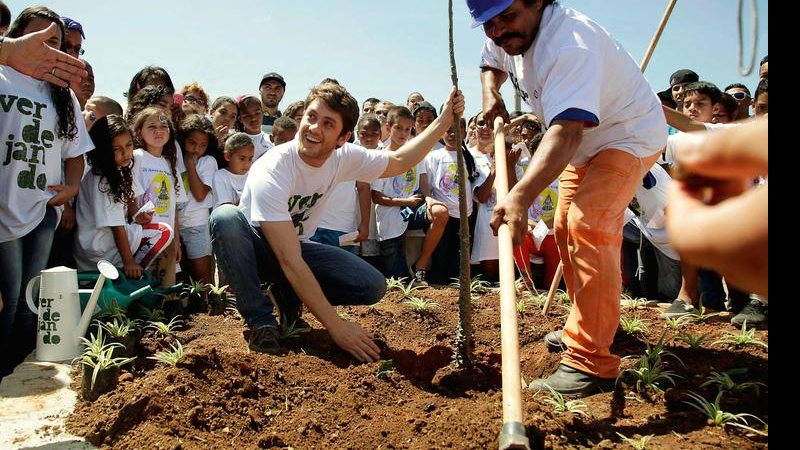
(21, 260)
(246, 259)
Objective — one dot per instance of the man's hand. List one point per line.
(64, 193)
(30, 54)
(363, 233)
(132, 270)
(453, 105)
(355, 340)
(510, 211)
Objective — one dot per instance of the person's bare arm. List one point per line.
(364, 204)
(559, 145)
(681, 121)
(414, 150)
(73, 172)
(379, 198)
(196, 187)
(130, 267)
(282, 238)
(707, 225)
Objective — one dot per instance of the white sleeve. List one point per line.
(82, 142)
(571, 81)
(107, 213)
(492, 56)
(359, 163)
(221, 188)
(206, 168)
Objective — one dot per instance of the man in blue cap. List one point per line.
(605, 129)
(74, 37)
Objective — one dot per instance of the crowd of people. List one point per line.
(317, 199)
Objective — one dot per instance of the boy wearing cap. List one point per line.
(272, 88)
(678, 81)
(605, 129)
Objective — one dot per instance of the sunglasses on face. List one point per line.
(190, 99)
(739, 95)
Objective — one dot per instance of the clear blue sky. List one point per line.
(375, 48)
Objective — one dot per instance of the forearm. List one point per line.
(491, 81)
(681, 121)
(73, 172)
(122, 243)
(364, 201)
(485, 190)
(413, 151)
(379, 198)
(196, 187)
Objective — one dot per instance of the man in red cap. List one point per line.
(605, 129)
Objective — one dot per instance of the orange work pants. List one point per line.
(589, 219)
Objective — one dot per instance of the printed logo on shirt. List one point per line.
(449, 182)
(544, 207)
(31, 146)
(522, 94)
(158, 192)
(404, 184)
(300, 209)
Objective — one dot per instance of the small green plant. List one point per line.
(385, 368)
(114, 311)
(699, 314)
(563, 297)
(632, 325)
(98, 355)
(724, 382)
(522, 305)
(291, 330)
(650, 375)
(395, 284)
(562, 406)
(638, 444)
(655, 353)
(419, 305)
(676, 323)
(692, 340)
(408, 289)
(631, 303)
(118, 328)
(168, 357)
(539, 299)
(716, 416)
(744, 337)
(476, 285)
(151, 315)
(165, 329)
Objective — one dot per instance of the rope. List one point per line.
(745, 71)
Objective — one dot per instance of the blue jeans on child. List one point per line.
(21, 260)
(246, 259)
(393, 251)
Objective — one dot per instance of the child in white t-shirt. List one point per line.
(442, 171)
(102, 208)
(369, 137)
(283, 130)
(400, 205)
(250, 117)
(157, 169)
(199, 143)
(229, 182)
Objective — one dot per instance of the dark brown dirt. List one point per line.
(314, 395)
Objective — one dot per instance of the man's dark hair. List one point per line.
(704, 87)
(371, 100)
(5, 15)
(764, 60)
(727, 102)
(737, 85)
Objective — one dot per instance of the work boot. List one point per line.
(263, 339)
(572, 382)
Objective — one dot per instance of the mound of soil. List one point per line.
(314, 395)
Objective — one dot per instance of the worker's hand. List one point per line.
(511, 211)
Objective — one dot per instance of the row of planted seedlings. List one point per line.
(651, 375)
(115, 337)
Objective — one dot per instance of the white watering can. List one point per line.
(61, 324)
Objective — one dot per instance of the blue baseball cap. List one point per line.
(484, 10)
(70, 24)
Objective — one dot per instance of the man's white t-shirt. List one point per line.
(342, 212)
(195, 213)
(95, 213)
(155, 176)
(388, 219)
(575, 64)
(282, 187)
(442, 166)
(228, 187)
(32, 153)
